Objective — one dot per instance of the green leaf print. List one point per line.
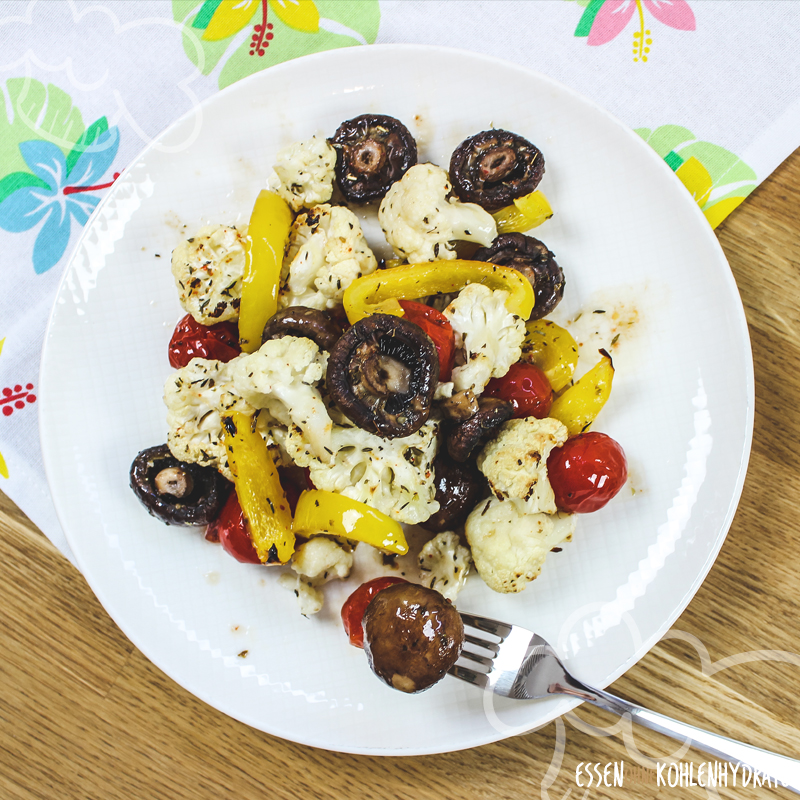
(665, 138)
(16, 180)
(342, 23)
(35, 111)
(717, 178)
(87, 139)
(361, 17)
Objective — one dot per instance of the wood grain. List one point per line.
(85, 715)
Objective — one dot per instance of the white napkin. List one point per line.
(712, 86)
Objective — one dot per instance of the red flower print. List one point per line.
(16, 398)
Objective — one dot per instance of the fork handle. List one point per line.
(777, 767)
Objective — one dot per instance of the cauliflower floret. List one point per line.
(309, 597)
(322, 559)
(515, 461)
(327, 252)
(316, 562)
(196, 397)
(394, 476)
(281, 377)
(443, 391)
(444, 564)
(421, 223)
(509, 546)
(208, 271)
(304, 173)
(490, 334)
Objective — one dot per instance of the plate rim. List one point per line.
(443, 52)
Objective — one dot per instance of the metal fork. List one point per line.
(520, 664)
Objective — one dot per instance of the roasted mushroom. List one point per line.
(465, 437)
(460, 406)
(382, 373)
(372, 152)
(412, 636)
(533, 259)
(495, 167)
(176, 492)
(305, 322)
(459, 487)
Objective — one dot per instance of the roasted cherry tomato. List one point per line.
(438, 327)
(355, 606)
(526, 387)
(230, 529)
(295, 481)
(586, 472)
(193, 340)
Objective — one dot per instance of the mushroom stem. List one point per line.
(174, 481)
(384, 375)
(497, 163)
(368, 157)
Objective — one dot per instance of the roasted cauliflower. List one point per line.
(282, 377)
(327, 252)
(509, 545)
(304, 173)
(421, 221)
(515, 461)
(197, 396)
(489, 334)
(444, 564)
(394, 476)
(208, 271)
(317, 561)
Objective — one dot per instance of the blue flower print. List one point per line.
(63, 196)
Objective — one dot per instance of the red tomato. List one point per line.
(438, 327)
(586, 472)
(230, 529)
(526, 387)
(193, 340)
(355, 606)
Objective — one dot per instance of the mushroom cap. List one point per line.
(208, 490)
(467, 435)
(494, 167)
(535, 261)
(459, 487)
(372, 152)
(382, 373)
(412, 636)
(311, 323)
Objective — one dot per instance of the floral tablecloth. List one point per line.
(712, 85)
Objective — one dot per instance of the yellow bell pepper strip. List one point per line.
(379, 292)
(328, 512)
(269, 228)
(581, 403)
(552, 349)
(259, 490)
(527, 212)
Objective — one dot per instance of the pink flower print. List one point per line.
(611, 19)
(604, 20)
(673, 13)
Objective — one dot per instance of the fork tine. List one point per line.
(490, 646)
(492, 626)
(482, 660)
(468, 675)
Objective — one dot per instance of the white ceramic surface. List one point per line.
(682, 404)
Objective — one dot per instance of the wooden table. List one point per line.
(85, 715)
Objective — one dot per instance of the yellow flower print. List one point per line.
(718, 180)
(224, 43)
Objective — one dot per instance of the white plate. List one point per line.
(682, 404)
